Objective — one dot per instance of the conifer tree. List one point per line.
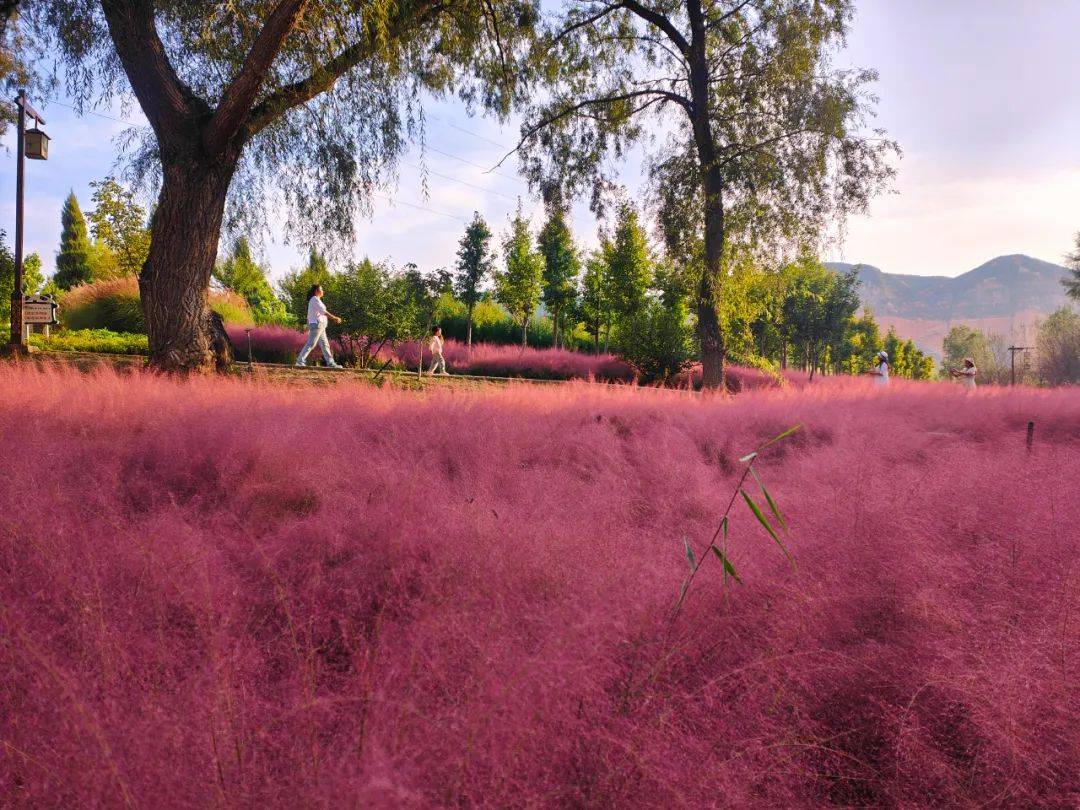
(74, 260)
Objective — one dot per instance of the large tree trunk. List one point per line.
(713, 351)
(175, 280)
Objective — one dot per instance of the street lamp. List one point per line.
(34, 145)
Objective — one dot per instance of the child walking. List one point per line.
(435, 346)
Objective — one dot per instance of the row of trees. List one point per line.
(766, 141)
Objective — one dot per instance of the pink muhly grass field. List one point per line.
(219, 592)
(495, 360)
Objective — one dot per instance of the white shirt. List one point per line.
(435, 345)
(968, 378)
(316, 311)
(883, 373)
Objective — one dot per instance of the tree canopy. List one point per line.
(764, 142)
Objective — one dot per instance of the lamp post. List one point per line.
(38, 143)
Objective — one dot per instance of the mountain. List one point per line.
(1007, 295)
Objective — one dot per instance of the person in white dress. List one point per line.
(966, 375)
(317, 316)
(881, 369)
(435, 346)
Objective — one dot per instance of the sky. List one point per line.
(982, 95)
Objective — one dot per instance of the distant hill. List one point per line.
(1006, 295)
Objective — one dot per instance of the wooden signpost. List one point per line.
(40, 309)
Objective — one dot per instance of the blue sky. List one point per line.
(983, 96)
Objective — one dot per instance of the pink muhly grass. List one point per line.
(216, 591)
(495, 360)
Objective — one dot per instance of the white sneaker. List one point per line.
(334, 365)
(299, 365)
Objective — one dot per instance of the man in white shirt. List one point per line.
(881, 369)
(317, 315)
(966, 375)
(435, 346)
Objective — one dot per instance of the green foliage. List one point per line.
(100, 341)
(657, 340)
(247, 278)
(74, 261)
(988, 352)
(474, 260)
(518, 286)
(338, 105)
(630, 268)
(295, 285)
(818, 305)
(377, 307)
(906, 359)
(119, 226)
(1059, 348)
(596, 308)
(561, 267)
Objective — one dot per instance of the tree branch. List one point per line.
(587, 21)
(660, 21)
(167, 102)
(323, 77)
(240, 95)
(727, 15)
(657, 95)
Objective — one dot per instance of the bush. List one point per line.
(234, 593)
(115, 305)
(657, 341)
(100, 341)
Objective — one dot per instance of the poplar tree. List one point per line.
(519, 285)
(474, 264)
(630, 268)
(561, 268)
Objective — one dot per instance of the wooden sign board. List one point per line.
(39, 309)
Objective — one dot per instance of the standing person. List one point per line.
(881, 369)
(435, 346)
(317, 315)
(966, 374)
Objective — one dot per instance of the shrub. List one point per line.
(115, 305)
(232, 593)
(91, 340)
(656, 340)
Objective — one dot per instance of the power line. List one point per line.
(462, 182)
(475, 165)
(419, 207)
(470, 132)
(93, 112)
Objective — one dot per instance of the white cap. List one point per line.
(883, 355)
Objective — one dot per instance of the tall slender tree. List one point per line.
(519, 285)
(74, 261)
(630, 268)
(314, 99)
(1072, 285)
(561, 268)
(474, 264)
(595, 297)
(767, 136)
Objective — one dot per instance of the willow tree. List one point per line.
(301, 105)
(760, 137)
